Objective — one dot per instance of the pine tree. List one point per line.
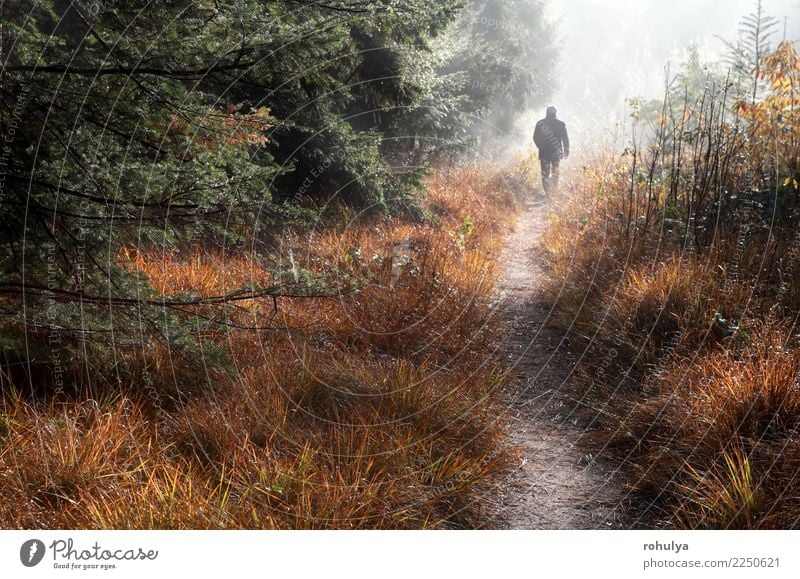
(746, 55)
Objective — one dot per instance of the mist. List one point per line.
(612, 50)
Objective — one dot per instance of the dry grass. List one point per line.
(730, 422)
(690, 356)
(679, 281)
(378, 409)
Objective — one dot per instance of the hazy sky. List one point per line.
(613, 49)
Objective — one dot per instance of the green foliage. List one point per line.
(196, 121)
(513, 63)
(463, 232)
(497, 60)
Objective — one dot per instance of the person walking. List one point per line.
(550, 137)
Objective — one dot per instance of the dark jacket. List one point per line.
(551, 138)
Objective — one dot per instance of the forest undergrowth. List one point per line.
(371, 402)
(675, 268)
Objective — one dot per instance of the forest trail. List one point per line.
(556, 486)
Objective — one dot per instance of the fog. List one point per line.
(616, 49)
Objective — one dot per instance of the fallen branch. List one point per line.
(274, 292)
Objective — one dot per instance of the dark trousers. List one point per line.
(550, 174)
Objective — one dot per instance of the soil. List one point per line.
(556, 484)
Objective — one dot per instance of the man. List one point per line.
(552, 141)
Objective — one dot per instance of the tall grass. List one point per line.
(675, 268)
(378, 408)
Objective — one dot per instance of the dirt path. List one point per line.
(555, 486)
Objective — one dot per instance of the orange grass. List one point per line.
(689, 358)
(379, 409)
